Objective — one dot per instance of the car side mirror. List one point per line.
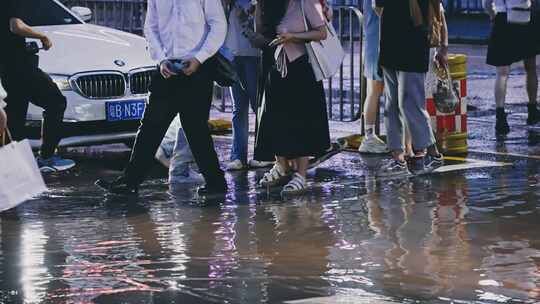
(82, 12)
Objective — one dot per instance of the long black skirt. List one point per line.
(510, 43)
(294, 120)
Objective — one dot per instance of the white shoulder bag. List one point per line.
(20, 179)
(325, 56)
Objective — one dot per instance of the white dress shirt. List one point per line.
(182, 29)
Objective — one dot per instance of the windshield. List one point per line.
(45, 12)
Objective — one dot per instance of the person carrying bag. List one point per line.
(293, 119)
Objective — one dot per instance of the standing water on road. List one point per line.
(460, 237)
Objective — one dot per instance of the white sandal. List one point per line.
(275, 177)
(297, 185)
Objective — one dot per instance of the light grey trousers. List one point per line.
(406, 103)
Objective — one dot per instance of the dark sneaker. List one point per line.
(415, 163)
(431, 163)
(118, 186)
(54, 164)
(501, 124)
(534, 115)
(208, 190)
(394, 168)
(334, 149)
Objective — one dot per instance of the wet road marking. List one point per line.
(365, 297)
(468, 164)
(506, 154)
(522, 126)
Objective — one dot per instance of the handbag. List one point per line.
(224, 73)
(518, 11)
(20, 179)
(325, 56)
(446, 95)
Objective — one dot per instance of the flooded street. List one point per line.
(468, 236)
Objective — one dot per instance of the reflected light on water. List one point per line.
(34, 275)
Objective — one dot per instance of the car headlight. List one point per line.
(62, 82)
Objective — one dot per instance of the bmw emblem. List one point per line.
(119, 63)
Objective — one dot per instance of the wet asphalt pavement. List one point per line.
(469, 236)
(462, 236)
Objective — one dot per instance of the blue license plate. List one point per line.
(125, 110)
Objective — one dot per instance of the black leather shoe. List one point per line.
(212, 190)
(118, 186)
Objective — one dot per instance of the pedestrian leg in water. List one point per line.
(371, 142)
(194, 114)
(394, 127)
(183, 168)
(24, 84)
(413, 107)
(158, 115)
(244, 96)
(501, 124)
(532, 91)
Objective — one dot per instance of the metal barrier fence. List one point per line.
(344, 91)
(453, 7)
(460, 7)
(126, 15)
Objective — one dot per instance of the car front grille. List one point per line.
(100, 86)
(139, 82)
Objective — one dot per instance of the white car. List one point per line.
(104, 74)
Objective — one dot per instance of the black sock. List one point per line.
(500, 113)
(532, 107)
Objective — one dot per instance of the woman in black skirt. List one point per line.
(510, 43)
(293, 120)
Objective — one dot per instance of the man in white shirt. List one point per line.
(188, 32)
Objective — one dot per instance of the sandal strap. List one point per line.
(297, 183)
(274, 174)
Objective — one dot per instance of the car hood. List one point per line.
(86, 47)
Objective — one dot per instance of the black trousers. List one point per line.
(191, 98)
(24, 82)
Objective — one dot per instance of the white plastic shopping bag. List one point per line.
(20, 179)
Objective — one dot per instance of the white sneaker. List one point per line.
(189, 176)
(373, 144)
(235, 165)
(260, 164)
(162, 158)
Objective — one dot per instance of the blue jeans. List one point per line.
(247, 69)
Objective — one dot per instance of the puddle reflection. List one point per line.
(469, 236)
